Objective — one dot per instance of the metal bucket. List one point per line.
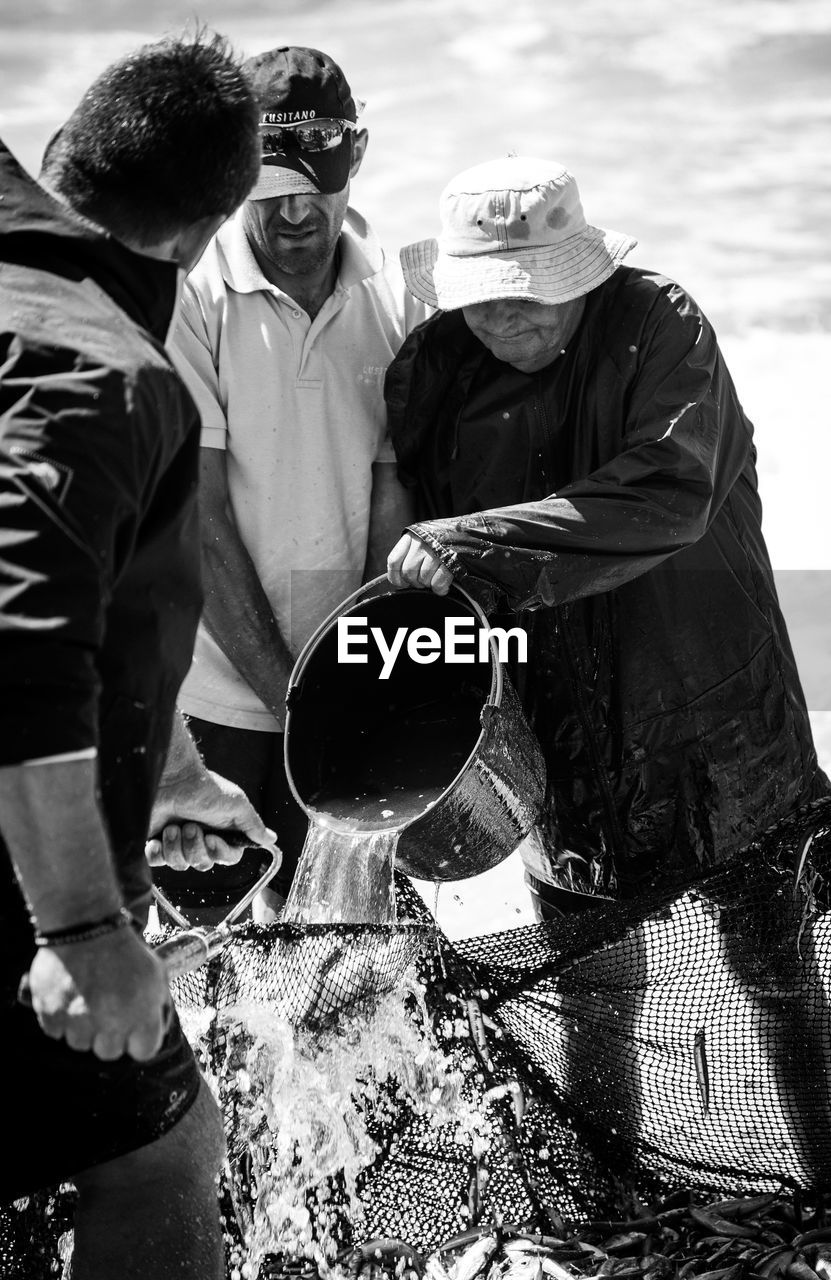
(438, 750)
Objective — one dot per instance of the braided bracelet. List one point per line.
(120, 919)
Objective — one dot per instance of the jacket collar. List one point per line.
(38, 230)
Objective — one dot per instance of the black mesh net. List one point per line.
(686, 1035)
(305, 973)
(672, 1047)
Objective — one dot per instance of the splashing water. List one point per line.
(304, 1108)
(343, 876)
(306, 1111)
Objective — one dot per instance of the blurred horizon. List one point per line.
(704, 129)
(701, 129)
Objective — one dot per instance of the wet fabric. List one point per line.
(661, 681)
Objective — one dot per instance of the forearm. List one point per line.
(190, 793)
(183, 758)
(524, 558)
(237, 612)
(240, 619)
(103, 991)
(52, 824)
(596, 533)
(391, 509)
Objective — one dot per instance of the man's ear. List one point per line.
(359, 141)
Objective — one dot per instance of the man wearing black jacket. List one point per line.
(580, 461)
(99, 600)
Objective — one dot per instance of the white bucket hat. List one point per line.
(512, 228)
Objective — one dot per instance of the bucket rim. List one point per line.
(377, 589)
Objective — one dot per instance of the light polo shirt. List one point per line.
(298, 406)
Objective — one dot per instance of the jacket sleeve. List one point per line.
(68, 514)
(685, 441)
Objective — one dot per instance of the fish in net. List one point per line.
(677, 1045)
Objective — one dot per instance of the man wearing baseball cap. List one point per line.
(287, 326)
(579, 456)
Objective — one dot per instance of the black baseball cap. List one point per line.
(297, 88)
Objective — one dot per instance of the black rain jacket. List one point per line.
(609, 505)
(99, 551)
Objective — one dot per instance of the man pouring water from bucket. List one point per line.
(580, 462)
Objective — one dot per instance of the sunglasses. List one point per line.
(317, 135)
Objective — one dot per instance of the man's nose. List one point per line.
(294, 209)
(500, 314)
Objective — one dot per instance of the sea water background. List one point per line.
(703, 128)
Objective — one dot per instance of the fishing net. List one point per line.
(687, 1035)
(677, 1042)
(306, 974)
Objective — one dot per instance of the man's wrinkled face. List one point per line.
(298, 234)
(527, 335)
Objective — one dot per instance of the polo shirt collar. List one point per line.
(361, 256)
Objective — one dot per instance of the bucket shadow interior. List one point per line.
(375, 753)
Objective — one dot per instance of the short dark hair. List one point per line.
(164, 137)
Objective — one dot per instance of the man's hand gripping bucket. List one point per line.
(430, 744)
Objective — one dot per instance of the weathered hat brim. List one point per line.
(548, 273)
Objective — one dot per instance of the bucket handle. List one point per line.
(375, 589)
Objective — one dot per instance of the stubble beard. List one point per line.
(302, 260)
